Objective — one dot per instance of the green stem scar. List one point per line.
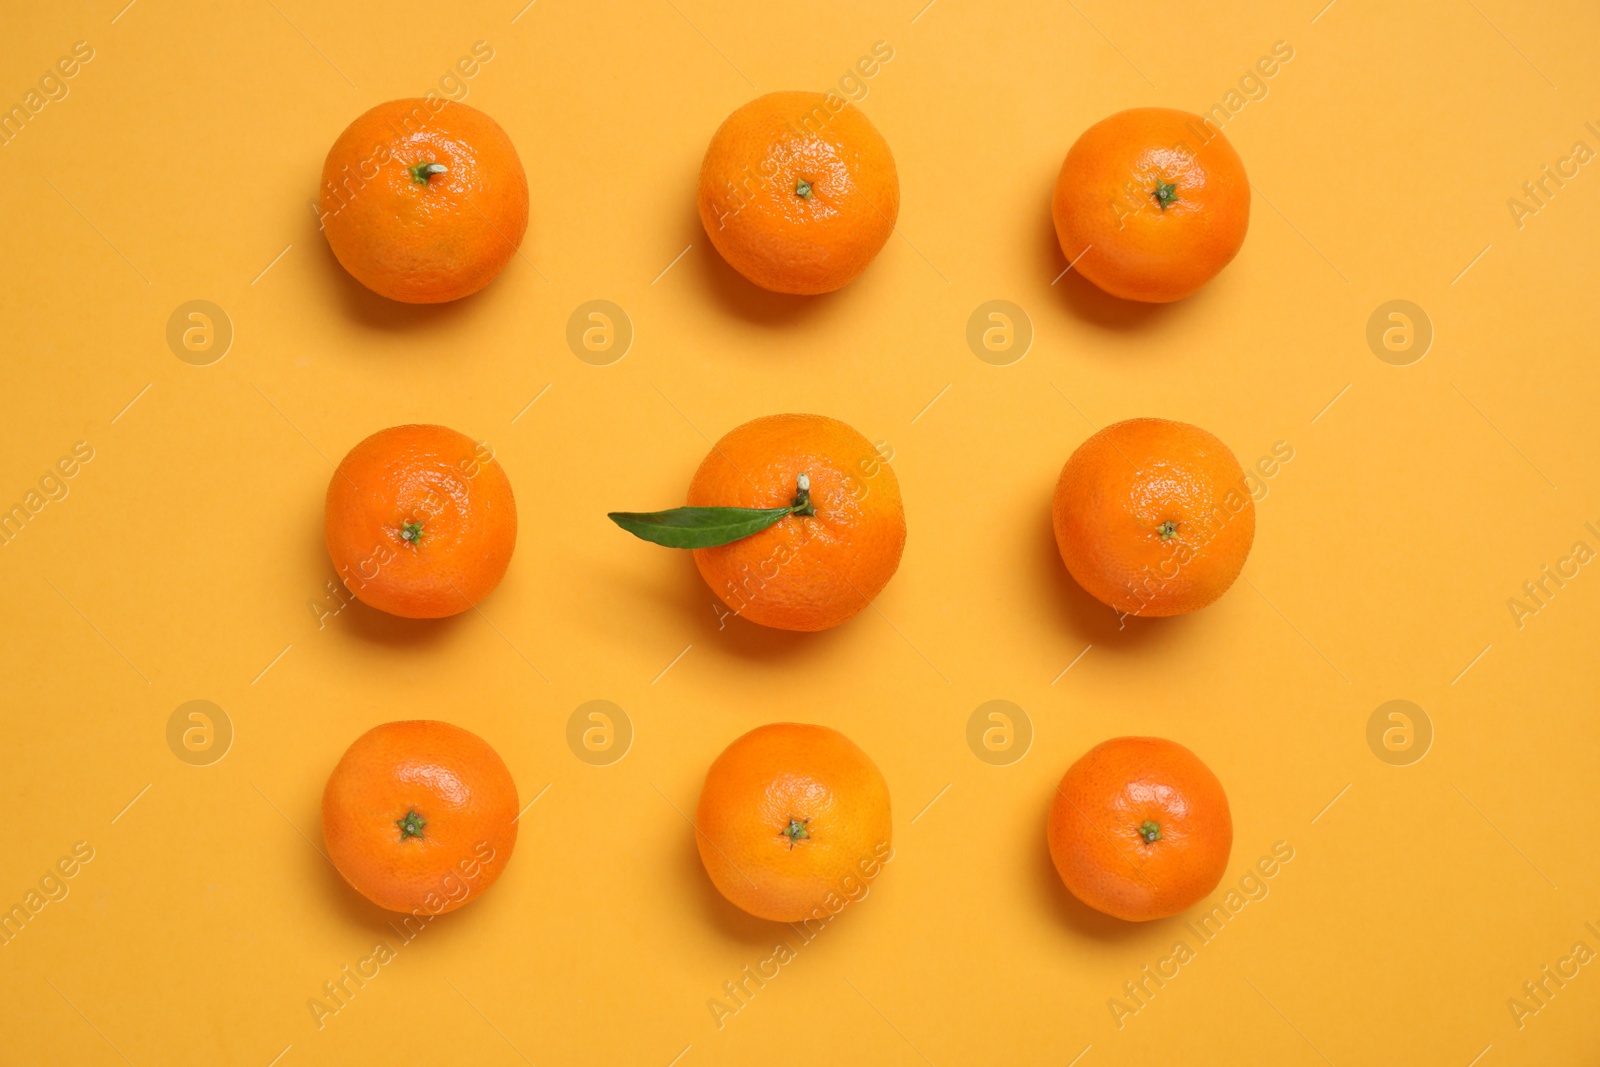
(1167, 530)
(795, 831)
(1150, 831)
(802, 189)
(423, 171)
(411, 825)
(1165, 193)
(710, 527)
(411, 533)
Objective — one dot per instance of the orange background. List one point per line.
(185, 560)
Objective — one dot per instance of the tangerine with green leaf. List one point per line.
(795, 522)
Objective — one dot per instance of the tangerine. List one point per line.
(1151, 204)
(1140, 828)
(420, 521)
(424, 200)
(793, 822)
(798, 192)
(809, 571)
(1153, 517)
(420, 816)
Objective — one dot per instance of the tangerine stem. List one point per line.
(411, 825)
(802, 497)
(412, 532)
(423, 171)
(1150, 831)
(795, 831)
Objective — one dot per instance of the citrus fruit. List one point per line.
(424, 201)
(793, 822)
(1151, 204)
(1153, 517)
(420, 521)
(817, 568)
(419, 816)
(798, 192)
(1139, 828)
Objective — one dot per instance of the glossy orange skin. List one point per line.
(445, 481)
(449, 777)
(1120, 487)
(806, 572)
(766, 230)
(1111, 224)
(1095, 820)
(432, 241)
(811, 775)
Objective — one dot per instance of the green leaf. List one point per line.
(698, 527)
